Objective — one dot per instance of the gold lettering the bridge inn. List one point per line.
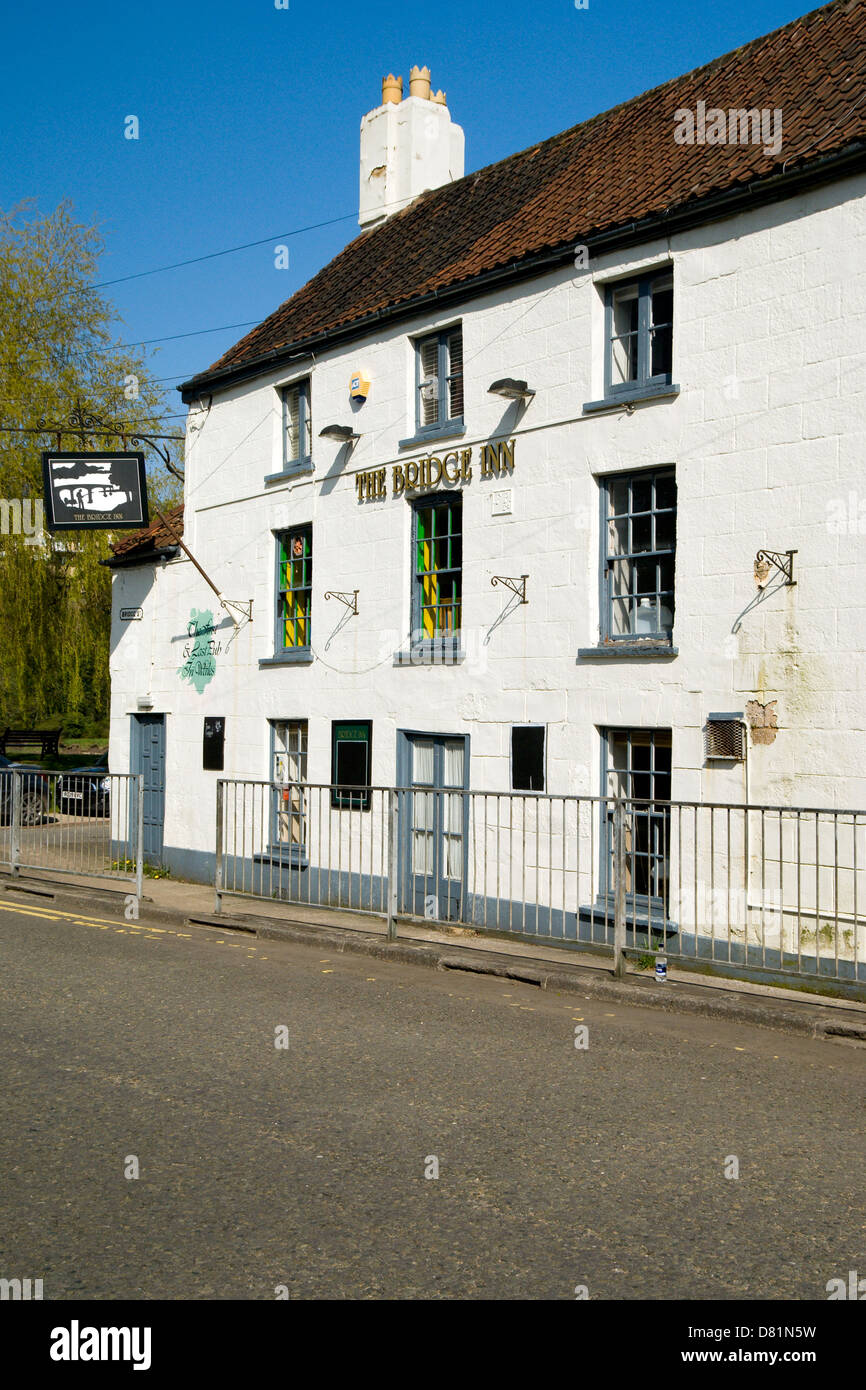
(422, 475)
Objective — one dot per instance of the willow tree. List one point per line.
(59, 348)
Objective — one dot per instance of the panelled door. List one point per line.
(148, 759)
(434, 813)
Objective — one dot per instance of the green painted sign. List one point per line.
(201, 651)
(351, 733)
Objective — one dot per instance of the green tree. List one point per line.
(59, 348)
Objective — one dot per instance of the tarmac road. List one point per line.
(304, 1166)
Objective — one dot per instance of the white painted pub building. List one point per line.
(551, 483)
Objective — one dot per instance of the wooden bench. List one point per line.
(26, 740)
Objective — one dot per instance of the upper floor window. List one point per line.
(438, 578)
(295, 588)
(439, 381)
(639, 317)
(638, 553)
(297, 424)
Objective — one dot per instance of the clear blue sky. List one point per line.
(249, 119)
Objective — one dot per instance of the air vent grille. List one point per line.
(725, 737)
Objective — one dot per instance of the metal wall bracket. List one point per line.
(242, 606)
(82, 423)
(782, 560)
(350, 600)
(517, 586)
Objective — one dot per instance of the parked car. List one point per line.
(34, 792)
(86, 791)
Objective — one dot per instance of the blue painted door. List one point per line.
(148, 750)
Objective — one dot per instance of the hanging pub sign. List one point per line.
(94, 492)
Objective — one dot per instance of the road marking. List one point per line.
(327, 972)
(77, 917)
(28, 911)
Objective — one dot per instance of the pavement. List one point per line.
(200, 1114)
(455, 950)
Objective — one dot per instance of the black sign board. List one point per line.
(213, 747)
(94, 492)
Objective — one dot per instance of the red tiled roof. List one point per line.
(606, 173)
(152, 538)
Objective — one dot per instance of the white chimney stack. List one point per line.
(407, 146)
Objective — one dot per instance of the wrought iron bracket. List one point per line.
(81, 423)
(782, 560)
(517, 586)
(242, 606)
(350, 600)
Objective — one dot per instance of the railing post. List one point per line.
(218, 872)
(15, 852)
(619, 888)
(392, 863)
(139, 838)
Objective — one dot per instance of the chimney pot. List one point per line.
(392, 89)
(419, 83)
(440, 98)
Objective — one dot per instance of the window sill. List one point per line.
(627, 651)
(640, 393)
(451, 429)
(300, 656)
(284, 856)
(432, 652)
(641, 915)
(303, 469)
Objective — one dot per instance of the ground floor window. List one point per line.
(289, 759)
(527, 758)
(637, 769)
(351, 749)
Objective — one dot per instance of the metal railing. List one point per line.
(775, 890)
(51, 821)
(304, 843)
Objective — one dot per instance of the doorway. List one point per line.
(434, 816)
(148, 760)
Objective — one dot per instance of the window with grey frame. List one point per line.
(439, 382)
(637, 769)
(639, 316)
(289, 776)
(294, 589)
(437, 583)
(638, 538)
(297, 425)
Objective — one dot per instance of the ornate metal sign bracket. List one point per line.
(782, 560)
(82, 423)
(350, 600)
(517, 586)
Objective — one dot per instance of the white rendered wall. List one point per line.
(766, 438)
